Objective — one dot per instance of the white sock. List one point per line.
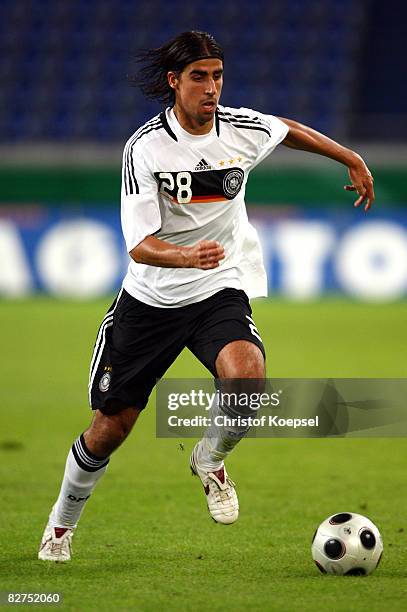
(82, 471)
(218, 441)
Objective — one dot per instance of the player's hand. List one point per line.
(362, 182)
(205, 255)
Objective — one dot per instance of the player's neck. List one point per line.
(189, 124)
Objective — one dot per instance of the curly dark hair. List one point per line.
(173, 56)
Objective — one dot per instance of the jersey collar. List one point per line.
(176, 132)
(166, 126)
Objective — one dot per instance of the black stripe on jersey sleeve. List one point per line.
(146, 130)
(237, 116)
(132, 178)
(129, 162)
(140, 132)
(245, 119)
(126, 164)
(126, 174)
(246, 126)
(154, 121)
(124, 177)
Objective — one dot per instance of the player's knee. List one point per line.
(246, 361)
(253, 366)
(251, 369)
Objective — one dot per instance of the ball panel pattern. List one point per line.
(340, 518)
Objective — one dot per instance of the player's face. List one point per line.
(198, 89)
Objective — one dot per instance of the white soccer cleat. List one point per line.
(56, 544)
(221, 497)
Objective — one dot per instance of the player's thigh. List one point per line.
(135, 346)
(227, 337)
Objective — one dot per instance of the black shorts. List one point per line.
(137, 343)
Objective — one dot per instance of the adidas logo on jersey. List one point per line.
(203, 165)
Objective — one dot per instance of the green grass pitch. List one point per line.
(145, 541)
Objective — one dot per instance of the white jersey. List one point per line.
(182, 189)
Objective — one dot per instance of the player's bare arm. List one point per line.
(204, 255)
(305, 138)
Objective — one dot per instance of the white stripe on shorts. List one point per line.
(100, 343)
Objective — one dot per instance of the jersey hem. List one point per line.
(192, 300)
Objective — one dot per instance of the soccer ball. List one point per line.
(347, 544)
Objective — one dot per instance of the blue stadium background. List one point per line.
(333, 64)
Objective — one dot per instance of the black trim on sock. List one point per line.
(87, 451)
(85, 459)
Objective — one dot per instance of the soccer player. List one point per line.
(195, 262)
